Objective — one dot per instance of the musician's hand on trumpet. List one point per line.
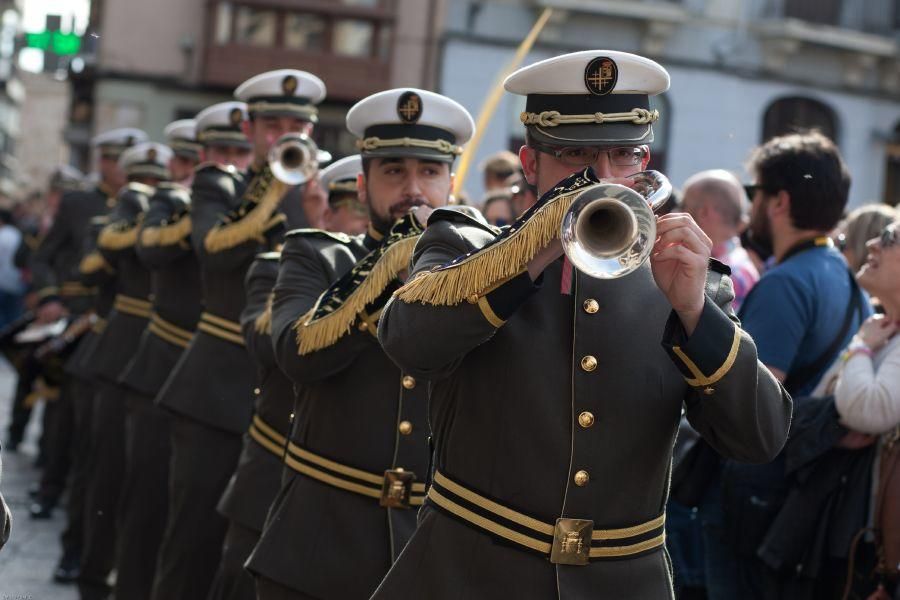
(679, 261)
(554, 249)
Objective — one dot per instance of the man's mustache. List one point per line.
(405, 205)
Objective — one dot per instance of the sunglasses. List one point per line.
(751, 190)
(888, 237)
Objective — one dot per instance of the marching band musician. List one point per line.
(145, 165)
(556, 396)
(357, 456)
(234, 215)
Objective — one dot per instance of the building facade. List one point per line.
(155, 62)
(742, 71)
(12, 95)
(43, 116)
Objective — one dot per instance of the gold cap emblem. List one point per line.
(601, 75)
(409, 107)
(289, 85)
(236, 116)
(151, 155)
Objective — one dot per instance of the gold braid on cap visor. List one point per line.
(373, 143)
(552, 118)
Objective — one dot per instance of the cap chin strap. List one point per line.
(373, 143)
(552, 118)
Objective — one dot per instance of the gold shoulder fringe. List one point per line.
(263, 323)
(167, 235)
(473, 275)
(93, 262)
(228, 235)
(117, 236)
(323, 332)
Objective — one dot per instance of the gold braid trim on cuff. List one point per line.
(323, 332)
(552, 118)
(373, 143)
(167, 234)
(263, 323)
(473, 275)
(118, 236)
(93, 262)
(265, 192)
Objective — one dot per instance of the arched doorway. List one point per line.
(796, 113)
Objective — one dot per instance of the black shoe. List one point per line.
(68, 570)
(42, 509)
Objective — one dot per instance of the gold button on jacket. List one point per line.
(405, 427)
(581, 478)
(591, 306)
(586, 419)
(409, 382)
(588, 363)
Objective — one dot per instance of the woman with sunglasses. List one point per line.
(866, 387)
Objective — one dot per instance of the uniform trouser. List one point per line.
(203, 460)
(28, 371)
(145, 497)
(103, 491)
(81, 396)
(59, 422)
(233, 581)
(266, 589)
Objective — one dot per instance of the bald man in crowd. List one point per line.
(718, 203)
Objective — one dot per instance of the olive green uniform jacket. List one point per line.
(131, 306)
(163, 247)
(213, 381)
(353, 407)
(559, 401)
(55, 262)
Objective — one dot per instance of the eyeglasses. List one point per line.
(752, 189)
(583, 156)
(888, 237)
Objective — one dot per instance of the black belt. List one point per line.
(568, 541)
(267, 436)
(225, 329)
(136, 307)
(395, 488)
(170, 332)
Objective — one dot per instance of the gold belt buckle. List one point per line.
(572, 542)
(396, 490)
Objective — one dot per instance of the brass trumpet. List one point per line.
(295, 158)
(609, 230)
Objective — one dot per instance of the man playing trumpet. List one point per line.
(556, 396)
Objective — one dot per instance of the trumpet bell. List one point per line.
(294, 158)
(608, 231)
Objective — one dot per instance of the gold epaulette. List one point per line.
(119, 235)
(167, 234)
(503, 258)
(264, 192)
(338, 307)
(94, 262)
